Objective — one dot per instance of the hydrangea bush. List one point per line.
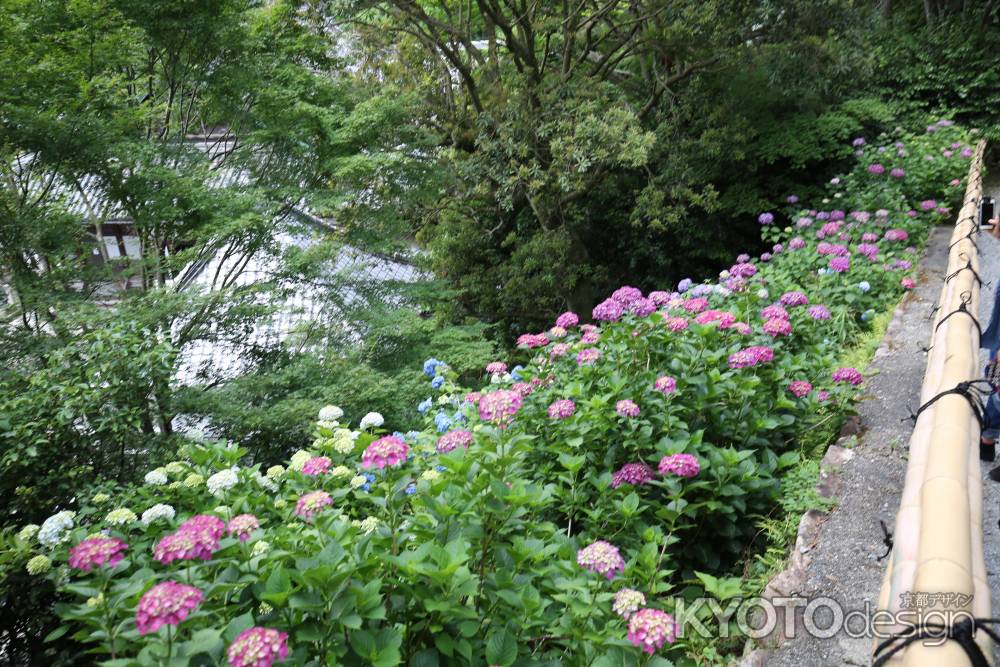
(556, 512)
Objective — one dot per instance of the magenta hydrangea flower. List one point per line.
(210, 526)
(635, 474)
(797, 243)
(601, 557)
(608, 310)
(743, 270)
(907, 283)
(800, 388)
(682, 465)
(774, 311)
(819, 312)
(500, 406)
(626, 295)
(642, 307)
(453, 440)
(743, 328)
(97, 552)
(317, 465)
(588, 356)
(310, 504)
(723, 317)
(804, 222)
(659, 297)
(650, 629)
(567, 320)
(627, 601)
(167, 603)
(848, 375)
(386, 451)
(751, 356)
(184, 545)
(868, 250)
(876, 169)
(897, 173)
(562, 409)
(472, 397)
(590, 337)
(778, 327)
(627, 408)
(665, 385)
(896, 235)
(695, 305)
(840, 264)
(523, 389)
(676, 324)
(496, 368)
(792, 199)
(258, 647)
(792, 299)
(928, 205)
(765, 218)
(531, 341)
(858, 142)
(243, 525)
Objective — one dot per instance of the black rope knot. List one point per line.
(972, 232)
(971, 390)
(964, 309)
(963, 631)
(967, 267)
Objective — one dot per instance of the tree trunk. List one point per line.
(580, 296)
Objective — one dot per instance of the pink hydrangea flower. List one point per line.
(743, 328)
(751, 356)
(723, 317)
(558, 350)
(523, 389)
(567, 320)
(496, 368)
(627, 601)
(258, 647)
(849, 375)
(453, 440)
(876, 169)
(310, 504)
(562, 409)
(774, 311)
(676, 324)
(907, 283)
(608, 310)
(792, 299)
(627, 408)
(386, 451)
(97, 552)
(472, 397)
(928, 205)
(167, 603)
(840, 264)
(650, 629)
(897, 173)
(631, 473)
(210, 526)
(819, 312)
(896, 235)
(590, 337)
(659, 297)
(743, 270)
(500, 406)
(601, 557)
(665, 385)
(183, 545)
(317, 465)
(778, 327)
(532, 340)
(695, 305)
(642, 307)
(682, 465)
(868, 250)
(800, 388)
(243, 525)
(588, 356)
(797, 243)
(626, 295)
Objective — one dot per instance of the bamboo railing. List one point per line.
(938, 541)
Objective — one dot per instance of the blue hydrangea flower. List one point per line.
(430, 367)
(515, 372)
(437, 382)
(411, 489)
(459, 417)
(412, 436)
(684, 285)
(442, 422)
(440, 468)
(425, 405)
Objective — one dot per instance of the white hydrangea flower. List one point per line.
(343, 440)
(368, 526)
(358, 481)
(156, 477)
(762, 293)
(330, 413)
(276, 472)
(260, 548)
(121, 516)
(265, 482)
(157, 512)
(372, 420)
(341, 471)
(54, 528)
(430, 475)
(28, 532)
(222, 481)
(298, 460)
(175, 468)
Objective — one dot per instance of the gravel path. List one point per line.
(845, 562)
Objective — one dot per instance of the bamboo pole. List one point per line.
(939, 541)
